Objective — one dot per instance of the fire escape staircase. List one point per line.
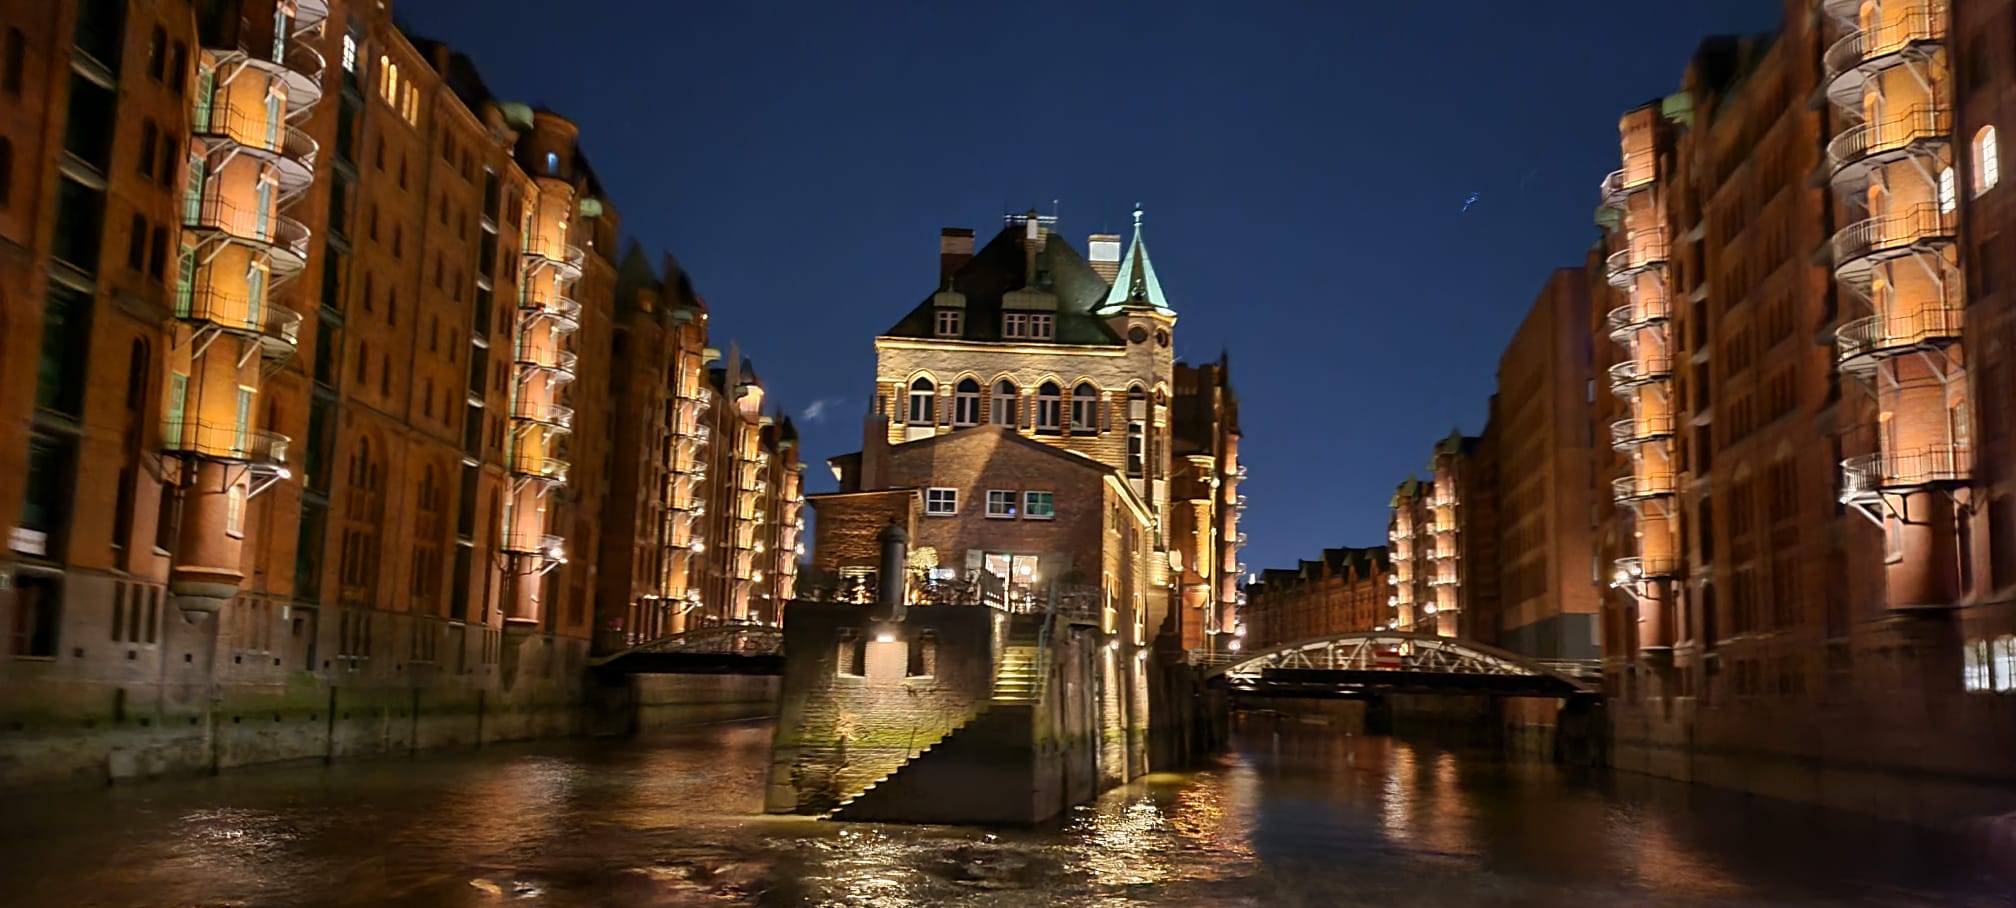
(1018, 688)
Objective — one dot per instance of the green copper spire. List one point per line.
(1136, 285)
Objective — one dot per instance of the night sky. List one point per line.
(1303, 167)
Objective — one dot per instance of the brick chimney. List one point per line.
(955, 249)
(874, 474)
(1103, 251)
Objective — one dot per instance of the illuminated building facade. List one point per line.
(308, 367)
(1805, 532)
(1345, 591)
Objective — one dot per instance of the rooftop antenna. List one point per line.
(1056, 208)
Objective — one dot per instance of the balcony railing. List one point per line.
(283, 238)
(545, 545)
(1639, 487)
(540, 252)
(224, 441)
(535, 466)
(1898, 230)
(1880, 335)
(1647, 310)
(1868, 474)
(296, 62)
(1637, 255)
(561, 362)
(1614, 190)
(234, 312)
(563, 309)
(1925, 24)
(1869, 139)
(1639, 370)
(554, 415)
(1632, 431)
(1640, 568)
(291, 149)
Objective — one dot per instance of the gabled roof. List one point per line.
(1001, 267)
(1136, 285)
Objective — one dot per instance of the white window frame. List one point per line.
(234, 511)
(1987, 160)
(941, 502)
(1049, 411)
(966, 404)
(1948, 193)
(923, 400)
(1015, 324)
(349, 53)
(1005, 409)
(1029, 500)
(1005, 499)
(1086, 406)
(950, 322)
(1042, 325)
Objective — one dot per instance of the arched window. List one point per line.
(1946, 191)
(1005, 404)
(1084, 409)
(1049, 402)
(923, 402)
(1987, 161)
(966, 403)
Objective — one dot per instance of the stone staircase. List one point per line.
(1018, 687)
(1018, 679)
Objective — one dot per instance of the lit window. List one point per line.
(1946, 191)
(349, 53)
(1004, 404)
(1987, 161)
(1084, 409)
(923, 402)
(1049, 401)
(949, 322)
(1001, 503)
(941, 502)
(552, 162)
(234, 511)
(1136, 450)
(1039, 505)
(1040, 325)
(966, 403)
(1015, 324)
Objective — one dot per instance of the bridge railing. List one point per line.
(723, 639)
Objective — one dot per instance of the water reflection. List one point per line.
(1293, 816)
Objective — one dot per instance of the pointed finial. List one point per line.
(1137, 215)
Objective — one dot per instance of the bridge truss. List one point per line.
(1398, 652)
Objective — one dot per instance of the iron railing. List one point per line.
(1632, 431)
(1924, 24)
(235, 312)
(1938, 321)
(1929, 465)
(224, 441)
(1638, 487)
(1897, 230)
(1863, 140)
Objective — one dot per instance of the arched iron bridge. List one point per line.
(1395, 659)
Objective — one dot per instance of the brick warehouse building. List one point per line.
(311, 361)
(1808, 596)
(1443, 538)
(1344, 591)
(1026, 431)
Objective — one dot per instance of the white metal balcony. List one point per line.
(1919, 128)
(1632, 431)
(1642, 487)
(1861, 343)
(1870, 474)
(1910, 33)
(1860, 245)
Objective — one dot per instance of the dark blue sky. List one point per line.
(1302, 164)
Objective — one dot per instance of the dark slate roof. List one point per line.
(1009, 435)
(999, 268)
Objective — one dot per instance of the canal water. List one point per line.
(1291, 816)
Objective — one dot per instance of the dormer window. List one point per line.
(950, 322)
(1028, 325)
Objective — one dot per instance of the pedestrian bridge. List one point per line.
(1357, 664)
(755, 649)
